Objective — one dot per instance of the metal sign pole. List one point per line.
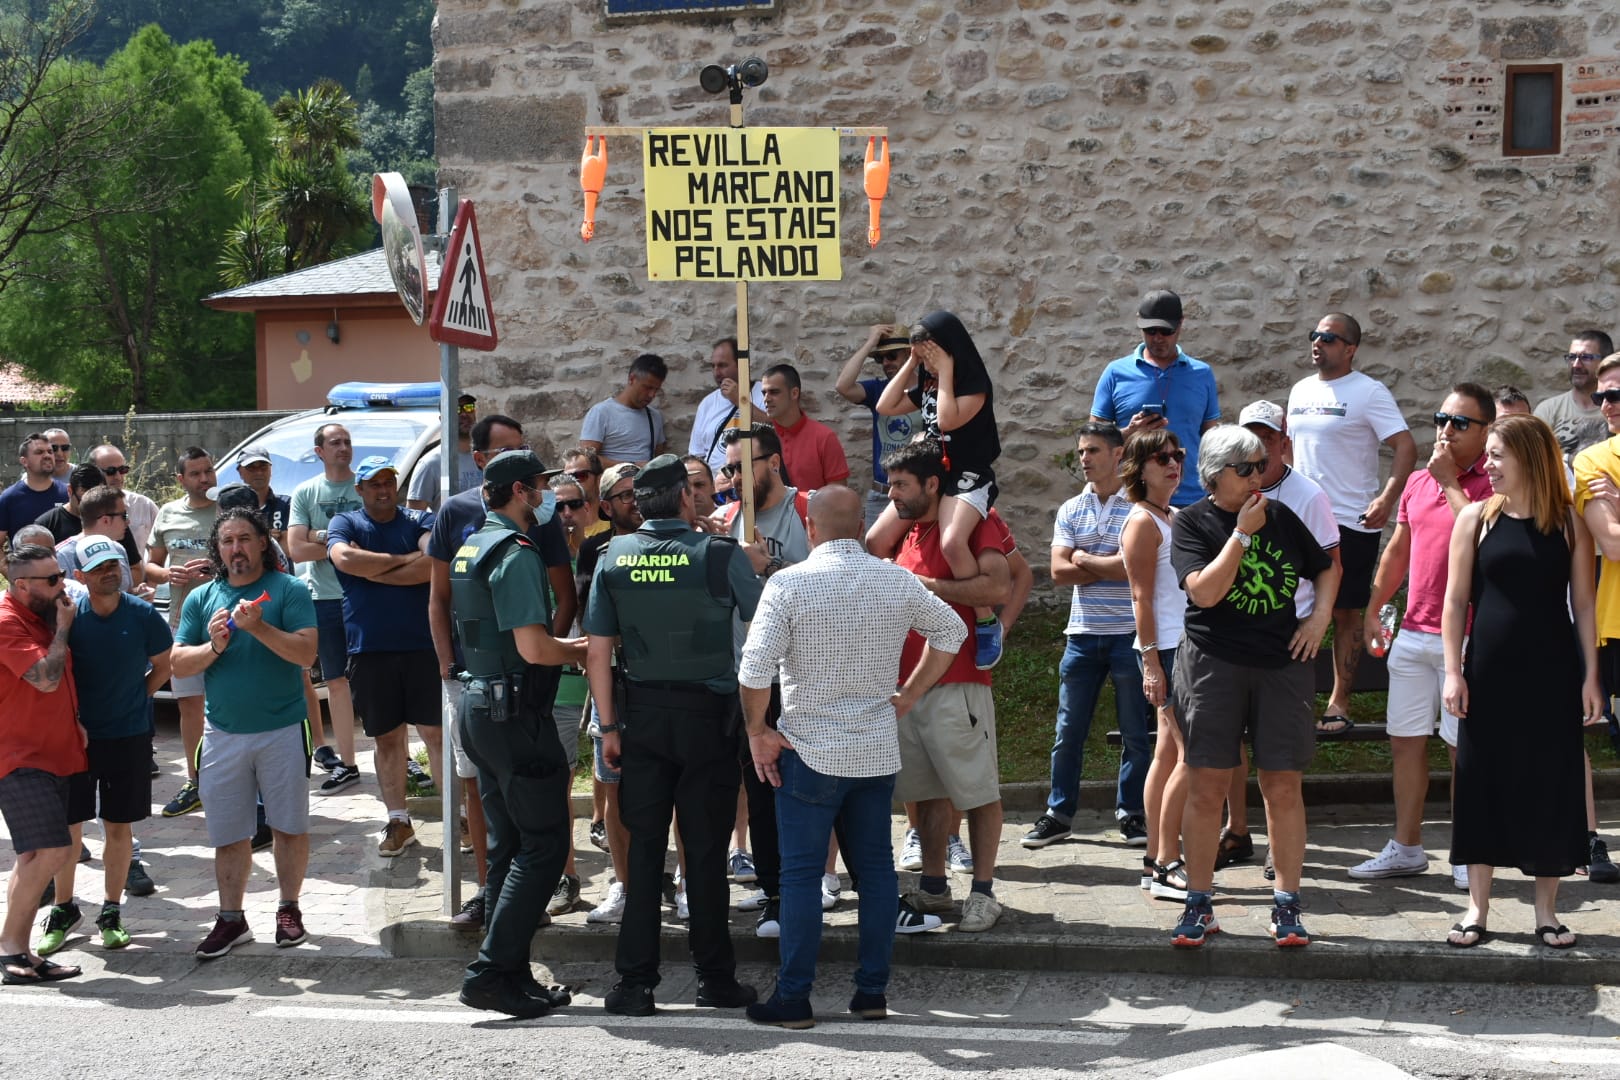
(449, 477)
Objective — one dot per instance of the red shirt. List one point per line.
(1424, 510)
(813, 454)
(920, 553)
(37, 731)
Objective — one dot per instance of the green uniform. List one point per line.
(497, 584)
(670, 594)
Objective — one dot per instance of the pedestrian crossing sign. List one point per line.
(462, 312)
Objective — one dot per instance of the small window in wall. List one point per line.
(1533, 113)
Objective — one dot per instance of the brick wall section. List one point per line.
(1053, 161)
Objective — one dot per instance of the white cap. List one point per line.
(1264, 412)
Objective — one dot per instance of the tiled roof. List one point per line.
(18, 389)
(365, 274)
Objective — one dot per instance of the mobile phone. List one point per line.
(1155, 408)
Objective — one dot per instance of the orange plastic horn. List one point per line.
(592, 175)
(877, 186)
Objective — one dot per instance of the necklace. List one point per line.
(1165, 510)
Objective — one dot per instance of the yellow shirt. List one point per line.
(1601, 459)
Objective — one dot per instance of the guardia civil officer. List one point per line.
(670, 592)
(498, 599)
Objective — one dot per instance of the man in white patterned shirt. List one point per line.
(835, 752)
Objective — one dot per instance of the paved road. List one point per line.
(279, 1015)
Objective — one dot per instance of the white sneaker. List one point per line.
(1459, 877)
(911, 851)
(1390, 863)
(979, 913)
(752, 902)
(830, 888)
(957, 857)
(683, 910)
(610, 910)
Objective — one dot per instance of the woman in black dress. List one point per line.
(1527, 680)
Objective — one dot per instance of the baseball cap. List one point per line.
(92, 551)
(1264, 412)
(1160, 309)
(510, 466)
(237, 496)
(624, 470)
(661, 474)
(373, 465)
(253, 455)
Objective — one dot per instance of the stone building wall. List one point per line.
(1054, 160)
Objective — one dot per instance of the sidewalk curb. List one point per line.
(1123, 953)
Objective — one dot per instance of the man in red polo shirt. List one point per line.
(813, 454)
(41, 745)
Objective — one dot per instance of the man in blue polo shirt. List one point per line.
(1157, 385)
(379, 554)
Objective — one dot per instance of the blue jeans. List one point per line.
(1088, 659)
(806, 805)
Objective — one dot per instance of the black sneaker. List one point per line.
(503, 997)
(344, 776)
(263, 837)
(1133, 830)
(669, 889)
(625, 1000)
(417, 779)
(185, 801)
(327, 758)
(139, 882)
(769, 924)
(1600, 869)
(471, 915)
(869, 1006)
(156, 771)
(1047, 830)
(793, 1015)
(226, 935)
(564, 896)
(723, 994)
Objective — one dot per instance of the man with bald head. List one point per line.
(837, 737)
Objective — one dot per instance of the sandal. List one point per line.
(18, 960)
(50, 971)
(1481, 935)
(1234, 848)
(1343, 722)
(1170, 881)
(1556, 931)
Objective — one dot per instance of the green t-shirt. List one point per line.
(315, 503)
(183, 532)
(250, 689)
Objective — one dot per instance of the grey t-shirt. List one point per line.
(1576, 427)
(785, 538)
(425, 477)
(626, 434)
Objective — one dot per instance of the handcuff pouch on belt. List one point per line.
(492, 698)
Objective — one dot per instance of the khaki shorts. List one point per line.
(948, 748)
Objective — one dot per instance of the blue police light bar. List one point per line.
(370, 395)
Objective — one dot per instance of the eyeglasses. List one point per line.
(730, 469)
(1580, 357)
(1159, 331)
(61, 448)
(1328, 337)
(50, 580)
(120, 514)
(623, 496)
(1606, 397)
(571, 504)
(1248, 468)
(115, 470)
(581, 474)
(1460, 423)
(1178, 455)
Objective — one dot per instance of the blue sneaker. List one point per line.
(1197, 922)
(987, 638)
(1286, 928)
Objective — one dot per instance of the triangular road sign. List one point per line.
(462, 312)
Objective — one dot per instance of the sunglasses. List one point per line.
(571, 504)
(1178, 455)
(115, 470)
(1606, 397)
(1328, 337)
(61, 448)
(731, 469)
(1248, 468)
(50, 580)
(120, 514)
(1580, 357)
(468, 408)
(581, 474)
(1158, 331)
(1460, 423)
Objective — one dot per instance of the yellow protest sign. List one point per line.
(742, 204)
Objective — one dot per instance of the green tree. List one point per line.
(109, 306)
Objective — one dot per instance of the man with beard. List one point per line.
(40, 747)
(718, 411)
(249, 633)
(1574, 419)
(813, 448)
(142, 510)
(23, 502)
(889, 345)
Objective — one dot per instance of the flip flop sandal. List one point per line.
(18, 960)
(1335, 718)
(1556, 931)
(50, 971)
(1484, 935)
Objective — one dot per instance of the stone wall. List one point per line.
(1054, 159)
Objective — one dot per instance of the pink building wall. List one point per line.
(298, 364)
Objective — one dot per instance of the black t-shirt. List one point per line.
(590, 552)
(61, 523)
(464, 513)
(1253, 622)
(971, 449)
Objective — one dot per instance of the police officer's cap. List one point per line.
(510, 466)
(663, 473)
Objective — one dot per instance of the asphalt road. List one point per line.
(284, 1015)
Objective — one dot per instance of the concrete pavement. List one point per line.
(1073, 906)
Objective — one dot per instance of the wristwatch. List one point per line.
(1243, 538)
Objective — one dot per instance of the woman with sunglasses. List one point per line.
(1522, 560)
(1244, 667)
(1151, 470)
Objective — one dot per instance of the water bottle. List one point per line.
(1379, 645)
